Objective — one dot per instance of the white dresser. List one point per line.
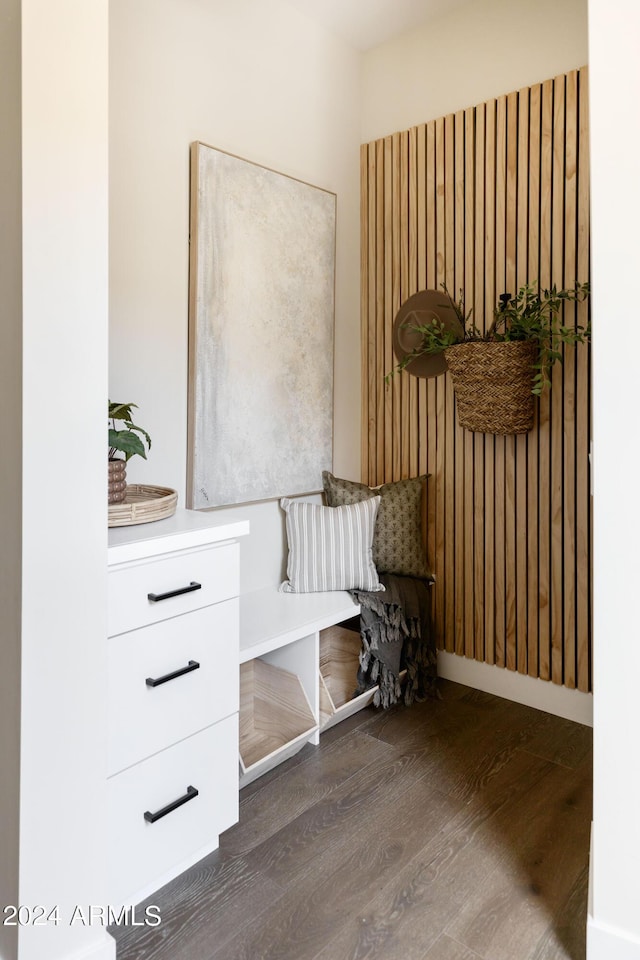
(173, 687)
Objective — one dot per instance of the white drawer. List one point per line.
(216, 569)
(146, 718)
(143, 855)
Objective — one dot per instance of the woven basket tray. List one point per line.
(143, 504)
(492, 383)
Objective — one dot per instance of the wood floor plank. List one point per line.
(267, 811)
(462, 749)
(386, 839)
(375, 845)
(414, 908)
(211, 896)
(526, 890)
(353, 722)
(398, 724)
(445, 948)
(566, 936)
(287, 854)
(562, 741)
(451, 830)
(292, 930)
(554, 814)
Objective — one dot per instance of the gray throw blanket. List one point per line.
(395, 628)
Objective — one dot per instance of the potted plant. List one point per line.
(497, 374)
(128, 440)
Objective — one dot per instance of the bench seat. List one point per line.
(270, 619)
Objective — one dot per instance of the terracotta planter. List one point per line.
(492, 383)
(117, 480)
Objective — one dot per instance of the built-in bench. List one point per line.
(298, 664)
(297, 672)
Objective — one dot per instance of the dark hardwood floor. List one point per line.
(450, 830)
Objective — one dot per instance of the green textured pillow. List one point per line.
(398, 545)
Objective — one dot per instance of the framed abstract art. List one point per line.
(261, 331)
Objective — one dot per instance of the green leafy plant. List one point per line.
(126, 440)
(532, 315)
(536, 316)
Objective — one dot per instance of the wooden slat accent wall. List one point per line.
(485, 200)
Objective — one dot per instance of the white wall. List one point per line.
(614, 924)
(259, 80)
(478, 51)
(10, 458)
(64, 529)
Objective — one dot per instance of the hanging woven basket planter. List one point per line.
(492, 383)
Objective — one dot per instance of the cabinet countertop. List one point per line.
(185, 529)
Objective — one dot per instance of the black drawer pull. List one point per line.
(156, 681)
(157, 597)
(189, 795)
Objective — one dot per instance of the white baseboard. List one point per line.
(603, 941)
(541, 694)
(608, 943)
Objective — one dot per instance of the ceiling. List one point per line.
(366, 23)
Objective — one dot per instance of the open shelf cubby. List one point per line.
(275, 716)
(339, 659)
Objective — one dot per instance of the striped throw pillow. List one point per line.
(330, 547)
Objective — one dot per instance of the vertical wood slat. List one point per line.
(365, 361)
(379, 308)
(399, 436)
(465, 165)
(421, 251)
(483, 321)
(401, 466)
(369, 310)
(533, 270)
(522, 441)
(390, 256)
(583, 499)
(487, 199)
(557, 398)
(544, 432)
(410, 464)
(511, 585)
(500, 542)
(430, 179)
(475, 443)
(467, 582)
(449, 453)
(569, 379)
(440, 417)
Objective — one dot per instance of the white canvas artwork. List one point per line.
(261, 332)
